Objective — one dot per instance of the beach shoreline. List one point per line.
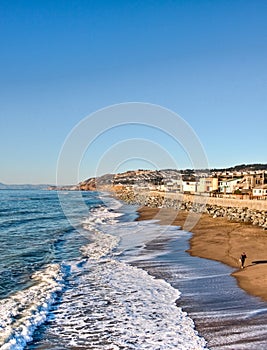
(221, 240)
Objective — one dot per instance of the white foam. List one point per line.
(109, 201)
(100, 216)
(114, 305)
(23, 311)
(108, 232)
(135, 236)
(99, 221)
(102, 245)
(135, 309)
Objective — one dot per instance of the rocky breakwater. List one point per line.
(165, 200)
(250, 216)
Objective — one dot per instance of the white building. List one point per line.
(174, 185)
(260, 191)
(229, 186)
(190, 186)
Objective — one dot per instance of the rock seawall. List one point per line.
(201, 205)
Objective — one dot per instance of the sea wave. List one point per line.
(23, 311)
(107, 303)
(102, 243)
(112, 305)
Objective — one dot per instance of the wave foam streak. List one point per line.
(117, 306)
(23, 311)
(110, 304)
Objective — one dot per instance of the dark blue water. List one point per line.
(34, 232)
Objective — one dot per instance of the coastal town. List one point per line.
(240, 182)
(251, 184)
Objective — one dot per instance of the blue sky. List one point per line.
(63, 60)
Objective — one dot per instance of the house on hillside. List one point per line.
(207, 184)
(174, 185)
(190, 186)
(260, 192)
(229, 185)
(250, 181)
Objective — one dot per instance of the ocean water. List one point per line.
(110, 282)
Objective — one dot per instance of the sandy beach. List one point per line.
(224, 241)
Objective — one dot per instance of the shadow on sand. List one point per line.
(259, 262)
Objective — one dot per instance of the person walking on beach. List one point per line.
(242, 259)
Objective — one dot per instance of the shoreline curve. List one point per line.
(222, 240)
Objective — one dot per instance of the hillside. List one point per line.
(157, 177)
(132, 177)
(243, 167)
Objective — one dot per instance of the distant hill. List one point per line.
(156, 177)
(243, 167)
(23, 187)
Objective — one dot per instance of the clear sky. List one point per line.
(60, 61)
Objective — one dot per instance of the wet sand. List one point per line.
(222, 240)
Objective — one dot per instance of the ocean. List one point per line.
(103, 280)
